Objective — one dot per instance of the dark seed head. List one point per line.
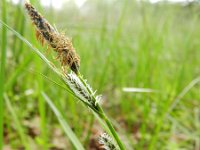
(59, 42)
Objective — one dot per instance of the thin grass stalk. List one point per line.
(114, 133)
(2, 70)
(42, 108)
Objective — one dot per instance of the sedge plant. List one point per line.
(68, 57)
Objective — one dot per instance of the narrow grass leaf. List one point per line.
(185, 90)
(64, 124)
(137, 90)
(2, 68)
(18, 126)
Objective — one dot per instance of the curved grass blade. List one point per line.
(182, 94)
(64, 124)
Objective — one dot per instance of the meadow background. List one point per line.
(121, 44)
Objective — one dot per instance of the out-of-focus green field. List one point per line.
(121, 44)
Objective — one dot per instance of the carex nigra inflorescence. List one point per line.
(59, 42)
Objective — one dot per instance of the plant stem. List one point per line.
(112, 130)
(103, 115)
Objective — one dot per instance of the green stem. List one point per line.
(112, 130)
(103, 116)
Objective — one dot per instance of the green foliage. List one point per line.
(121, 44)
(2, 68)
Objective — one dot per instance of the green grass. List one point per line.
(19, 128)
(64, 124)
(2, 68)
(120, 45)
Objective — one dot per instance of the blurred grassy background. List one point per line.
(121, 44)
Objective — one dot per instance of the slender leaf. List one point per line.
(64, 124)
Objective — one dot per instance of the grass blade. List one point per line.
(64, 124)
(138, 90)
(185, 90)
(2, 70)
(16, 122)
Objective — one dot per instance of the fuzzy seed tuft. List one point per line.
(107, 142)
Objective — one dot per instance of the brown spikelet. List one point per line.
(59, 42)
(39, 37)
